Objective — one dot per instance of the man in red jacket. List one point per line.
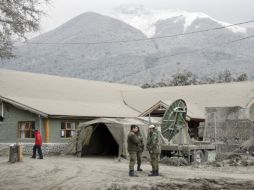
(37, 145)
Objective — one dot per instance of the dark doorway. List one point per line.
(102, 143)
(195, 129)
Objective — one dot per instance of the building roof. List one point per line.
(192, 110)
(59, 96)
(197, 97)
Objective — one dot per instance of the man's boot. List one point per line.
(139, 169)
(156, 173)
(152, 173)
(132, 174)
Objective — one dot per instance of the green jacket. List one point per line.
(132, 142)
(153, 142)
(140, 142)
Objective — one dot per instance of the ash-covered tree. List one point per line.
(183, 78)
(242, 77)
(224, 77)
(17, 18)
(188, 78)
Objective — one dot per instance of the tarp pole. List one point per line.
(2, 107)
(39, 122)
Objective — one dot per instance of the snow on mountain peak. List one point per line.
(235, 29)
(145, 19)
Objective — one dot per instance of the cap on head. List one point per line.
(151, 126)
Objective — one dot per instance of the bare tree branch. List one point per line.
(17, 18)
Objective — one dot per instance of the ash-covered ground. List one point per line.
(69, 172)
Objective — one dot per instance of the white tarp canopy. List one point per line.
(119, 129)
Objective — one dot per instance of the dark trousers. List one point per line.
(38, 147)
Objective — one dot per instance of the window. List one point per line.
(67, 129)
(26, 129)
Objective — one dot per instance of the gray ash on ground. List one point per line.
(174, 161)
(190, 184)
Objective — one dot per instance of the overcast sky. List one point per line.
(231, 11)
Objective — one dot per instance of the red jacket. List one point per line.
(38, 138)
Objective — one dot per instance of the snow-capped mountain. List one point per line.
(146, 19)
(74, 49)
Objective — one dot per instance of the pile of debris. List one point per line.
(235, 159)
(240, 160)
(242, 156)
(248, 147)
(174, 161)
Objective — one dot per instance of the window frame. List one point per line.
(68, 129)
(26, 124)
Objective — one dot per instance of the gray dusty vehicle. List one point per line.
(176, 141)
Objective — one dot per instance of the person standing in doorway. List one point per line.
(132, 148)
(38, 144)
(154, 148)
(140, 149)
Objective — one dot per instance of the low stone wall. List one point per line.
(47, 148)
(228, 128)
(4, 149)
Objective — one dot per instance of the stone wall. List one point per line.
(227, 127)
(47, 148)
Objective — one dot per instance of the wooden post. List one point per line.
(46, 126)
(20, 152)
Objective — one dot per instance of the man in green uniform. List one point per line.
(140, 149)
(154, 148)
(132, 148)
